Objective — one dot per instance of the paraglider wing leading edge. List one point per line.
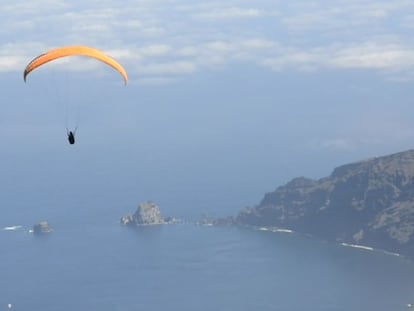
(74, 51)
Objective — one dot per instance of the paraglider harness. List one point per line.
(71, 135)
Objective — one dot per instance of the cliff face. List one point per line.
(369, 202)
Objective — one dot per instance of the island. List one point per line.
(147, 213)
(42, 228)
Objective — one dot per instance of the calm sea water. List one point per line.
(105, 266)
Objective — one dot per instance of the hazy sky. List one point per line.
(227, 99)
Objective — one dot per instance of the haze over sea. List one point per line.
(96, 264)
(226, 100)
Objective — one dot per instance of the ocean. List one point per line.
(103, 266)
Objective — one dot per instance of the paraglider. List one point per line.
(74, 51)
(71, 136)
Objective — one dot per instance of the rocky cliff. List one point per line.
(369, 202)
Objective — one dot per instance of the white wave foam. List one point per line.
(273, 229)
(371, 249)
(283, 230)
(12, 228)
(358, 246)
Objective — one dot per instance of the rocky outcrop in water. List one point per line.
(41, 228)
(369, 203)
(147, 213)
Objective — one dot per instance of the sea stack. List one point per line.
(147, 213)
(41, 228)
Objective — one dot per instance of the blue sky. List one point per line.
(226, 100)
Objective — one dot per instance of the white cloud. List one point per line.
(343, 15)
(374, 56)
(13, 57)
(32, 8)
(155, 50)
(229, 13)
(220, 46)
(183, 37)
(9, 63)
(168, 68)
(296, 59)
(258, 43)
(366, 55)
(188, 51)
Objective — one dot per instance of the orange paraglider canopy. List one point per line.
(74, 51)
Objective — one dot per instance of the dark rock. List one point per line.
(172, 220)
(147, 213)
(42, 227)
(128, 220)
(369, 203)
(219, 222)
